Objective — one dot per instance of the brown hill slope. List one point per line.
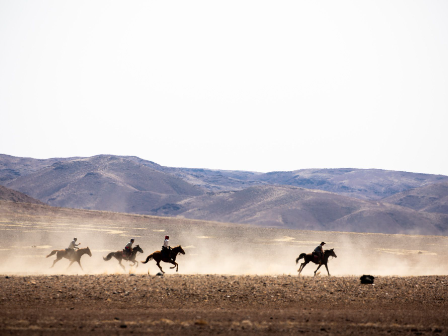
(305, 209)
(373, 184)
(7, 194)
(429, 198)
(133, 185)
(12, 167)
(104, 183)
(360, 183)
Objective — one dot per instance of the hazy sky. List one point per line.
(240, 85)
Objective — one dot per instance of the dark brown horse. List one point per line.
(311, 257)
(158, 257)
(74, 256)
(120, 256)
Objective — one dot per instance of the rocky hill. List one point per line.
(104, 183)
(429, 198)
(373, 184)
(10, 195)
(358, 200)
(305, 209)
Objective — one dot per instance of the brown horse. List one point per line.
(120, 256)
(75, 256)
(311, 257)
(158, 257)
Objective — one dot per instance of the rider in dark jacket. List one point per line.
(319, 251)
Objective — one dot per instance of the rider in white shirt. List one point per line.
(128, 247)
(72, 247)
(73, 244)
(166, 249)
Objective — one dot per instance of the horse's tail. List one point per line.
(302, 255)
(110, 255)
(148, 258)
(52, 252)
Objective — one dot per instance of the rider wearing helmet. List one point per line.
(319, 251)
(72, 247)
(128, 248)
(166, 249)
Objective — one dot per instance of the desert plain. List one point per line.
(233, 279)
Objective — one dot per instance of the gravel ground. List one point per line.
(222, 304)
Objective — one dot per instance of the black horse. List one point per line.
(119, 255)
(158, 256)
(311, 257)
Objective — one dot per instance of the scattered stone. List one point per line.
(200, 322)
(367, 279)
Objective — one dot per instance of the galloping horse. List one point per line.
(311, 257)
(75, 256)
(119, 256)
(158, 257)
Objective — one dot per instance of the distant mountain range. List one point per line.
(358, 200)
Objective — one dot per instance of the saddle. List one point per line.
(70, 253)
(166, 252)
(314, 257)
(125, 254)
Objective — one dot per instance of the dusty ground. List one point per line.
(221, 304)
(263, 296)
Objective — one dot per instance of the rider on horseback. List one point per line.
(319, 251)
(72, 248)
(166, 248)
(127, 251)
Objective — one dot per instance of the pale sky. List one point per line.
(239, 85)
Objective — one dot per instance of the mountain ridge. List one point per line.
(321, 199)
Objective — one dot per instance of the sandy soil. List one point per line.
(222, 304)
(263, 294)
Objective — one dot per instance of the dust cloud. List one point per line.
(211, 248)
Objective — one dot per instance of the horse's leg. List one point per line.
(70, 263)
(59, 256)
(176, 266)
(119, 262)
(317, 269)
(54, 262)
(79, 262)
(302, 266)
(158, 264)
(327, 269)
